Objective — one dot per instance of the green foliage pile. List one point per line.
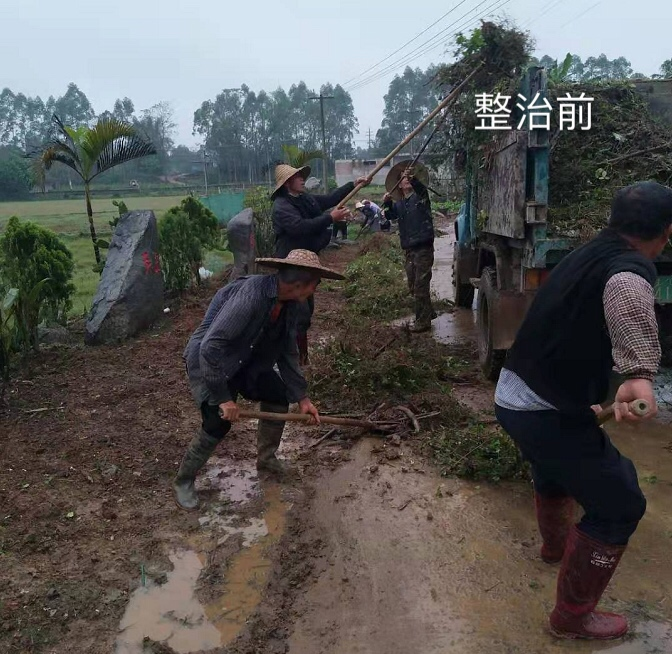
(369, 362)
(477, 451)
(625, 144)
(258, 200)
(185, 232)
(503, 52)
(375, 286)
(35, 286)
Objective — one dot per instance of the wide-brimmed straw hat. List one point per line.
(419, 171)
(284, 172)
(304, 259)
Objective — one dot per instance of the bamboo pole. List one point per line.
(442, 105)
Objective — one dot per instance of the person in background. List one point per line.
(594, 313)
(304, 221)
(372, 215)
(407, 202)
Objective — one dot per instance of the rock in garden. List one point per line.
(130, 293)
(242, 243)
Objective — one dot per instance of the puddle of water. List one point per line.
(171, 613)
(647, 638)
(247, 574)
(442, 272)
(237, 482)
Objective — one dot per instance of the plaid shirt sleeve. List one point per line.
(629, 310)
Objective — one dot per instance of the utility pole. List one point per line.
(325, 170)
(204, 161)
(369, 140)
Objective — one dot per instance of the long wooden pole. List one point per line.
(442, 105)
(330, 420)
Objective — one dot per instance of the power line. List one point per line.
(541, 14)
(569, 22)
(431, 44)
(417, 36)
(438, 35)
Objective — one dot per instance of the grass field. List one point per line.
(68, 219)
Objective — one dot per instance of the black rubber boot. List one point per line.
(269, 435)
(199, 451)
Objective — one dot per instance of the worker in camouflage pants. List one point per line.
(407, 201)
(418, 264)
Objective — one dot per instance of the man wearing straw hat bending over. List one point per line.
(407, 201)
(249, 327)
(304, 221)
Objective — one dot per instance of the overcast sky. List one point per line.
(187, 52)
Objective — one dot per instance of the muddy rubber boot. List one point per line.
(423, 316)
(302, 344)
(555, 516)
(269, 435)
(198, 452)
(587, 567)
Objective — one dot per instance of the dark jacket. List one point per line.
(303, 222)
(416, 224)
(562, 350)
(232, 340)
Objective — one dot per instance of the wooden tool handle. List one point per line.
(303, 417)
(638, 407)
(442, 105)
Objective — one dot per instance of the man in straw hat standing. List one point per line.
(407, 201)
(304, 221)
(249, 327)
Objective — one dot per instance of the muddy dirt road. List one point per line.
(368, 551)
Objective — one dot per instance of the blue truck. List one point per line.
(503, 247)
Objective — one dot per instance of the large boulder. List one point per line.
(242, 243)
(130, 293)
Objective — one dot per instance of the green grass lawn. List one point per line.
(68, 219)
(69, 216)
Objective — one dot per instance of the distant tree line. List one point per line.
(25, 124)
(602, 69)
(244, 131)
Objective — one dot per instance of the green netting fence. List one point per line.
(224, 205)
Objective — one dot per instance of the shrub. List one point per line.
(40, 267)
(258, 200)
(8, 330)
(185, 231)
(180, 248)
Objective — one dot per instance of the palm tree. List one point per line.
(90, 151)
(297, 158)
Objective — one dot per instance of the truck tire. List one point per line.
(463, 293)
(664, 316)
(491, 360)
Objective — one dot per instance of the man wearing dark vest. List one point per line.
(595, 313)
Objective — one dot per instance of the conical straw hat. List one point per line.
(301, 259)
(419, 170)
(283, 172)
